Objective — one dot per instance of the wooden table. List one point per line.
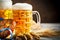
(51, 26)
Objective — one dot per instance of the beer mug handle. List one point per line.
(37, 15)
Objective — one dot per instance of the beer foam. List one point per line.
(5, 4)
(4, 0)
(22, 6)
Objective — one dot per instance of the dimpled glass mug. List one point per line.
(6, 22)
(22, 14)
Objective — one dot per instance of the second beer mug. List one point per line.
(22, 14)
(6, 18)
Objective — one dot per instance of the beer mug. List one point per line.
(22, 15)
(6, 16)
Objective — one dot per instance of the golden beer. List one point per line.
(23, 17)
(6, 17)
(6, 14)
(23, 20)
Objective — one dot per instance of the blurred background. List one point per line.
(48, 9)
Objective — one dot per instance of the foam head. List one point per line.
(5, 4)
(4, 0)
(22, 6)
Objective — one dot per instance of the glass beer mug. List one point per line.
(22, 14)
(6, 22)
